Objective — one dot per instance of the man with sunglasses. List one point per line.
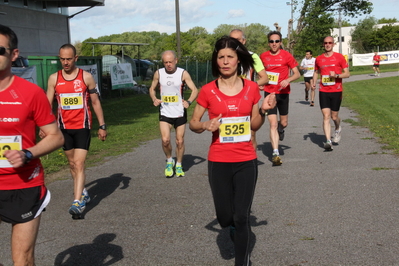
(332, 68)
(74, 88)
(23, 195)
(278, 64)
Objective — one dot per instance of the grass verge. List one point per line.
(375, 102)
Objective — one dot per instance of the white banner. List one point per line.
(122, 76)
(28, 73)
(91, 69)
(390, 57)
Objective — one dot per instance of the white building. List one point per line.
(346, 38)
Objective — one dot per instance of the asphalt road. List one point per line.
(317, 208)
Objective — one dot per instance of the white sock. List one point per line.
(170, 160)
(276, 152)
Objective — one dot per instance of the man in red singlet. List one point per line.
(278, 64)
(376, 64)
(23, 195)
(332, 68)
(73, 88)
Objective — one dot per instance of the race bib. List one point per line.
(71, 101)
(170, 99)
(235, 129)
(327, 80)
(9, 143)
(273, 77)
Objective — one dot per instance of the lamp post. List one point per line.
(178, 28)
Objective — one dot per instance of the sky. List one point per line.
(118, 16)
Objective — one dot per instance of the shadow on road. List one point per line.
(226, 246)
(101, 188)
(190, 160)
(99, 253)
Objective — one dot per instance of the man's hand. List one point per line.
(157, 102)
(102, 134)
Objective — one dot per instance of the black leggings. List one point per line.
(233, 187)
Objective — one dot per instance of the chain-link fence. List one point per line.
(200, 72)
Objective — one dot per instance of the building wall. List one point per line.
(347, 38)
(40, 33)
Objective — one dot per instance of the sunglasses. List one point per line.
(3, 50)
(328, 42)
(274, 41)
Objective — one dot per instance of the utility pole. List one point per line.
(178, 28)
(340, 30)
(290, 26)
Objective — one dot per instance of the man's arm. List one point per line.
(154, 84)
(190, 84)
(52, 140)
(294, 76)
(96, 103)
(263, 79)
(52, 80)
(345, 73)
(314, 79)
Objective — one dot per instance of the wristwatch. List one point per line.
(103, 127)
(28, 156)
(337, 76)
(263, 114)
(189, 103)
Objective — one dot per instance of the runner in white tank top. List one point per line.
(172, 108)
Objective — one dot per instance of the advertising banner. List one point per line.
(390, 57)
(91, 69)
(122, 76)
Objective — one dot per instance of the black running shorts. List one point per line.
(23, 205)
(282, 104)
(76, 139)
(175, 122)
(307, 79)
(331, 100)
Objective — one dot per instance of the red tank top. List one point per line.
(73, 102)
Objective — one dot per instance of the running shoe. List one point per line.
(77, 207)
(337, 135)
(169, 168)
(85, 196)
(179, 171)
(311, 103)
(276, 160)
(328, 145)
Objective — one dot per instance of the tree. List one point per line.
(365, 40)
(315, 12)
(387, 20)
(362, 32)
(256, 35)
(344, 23)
